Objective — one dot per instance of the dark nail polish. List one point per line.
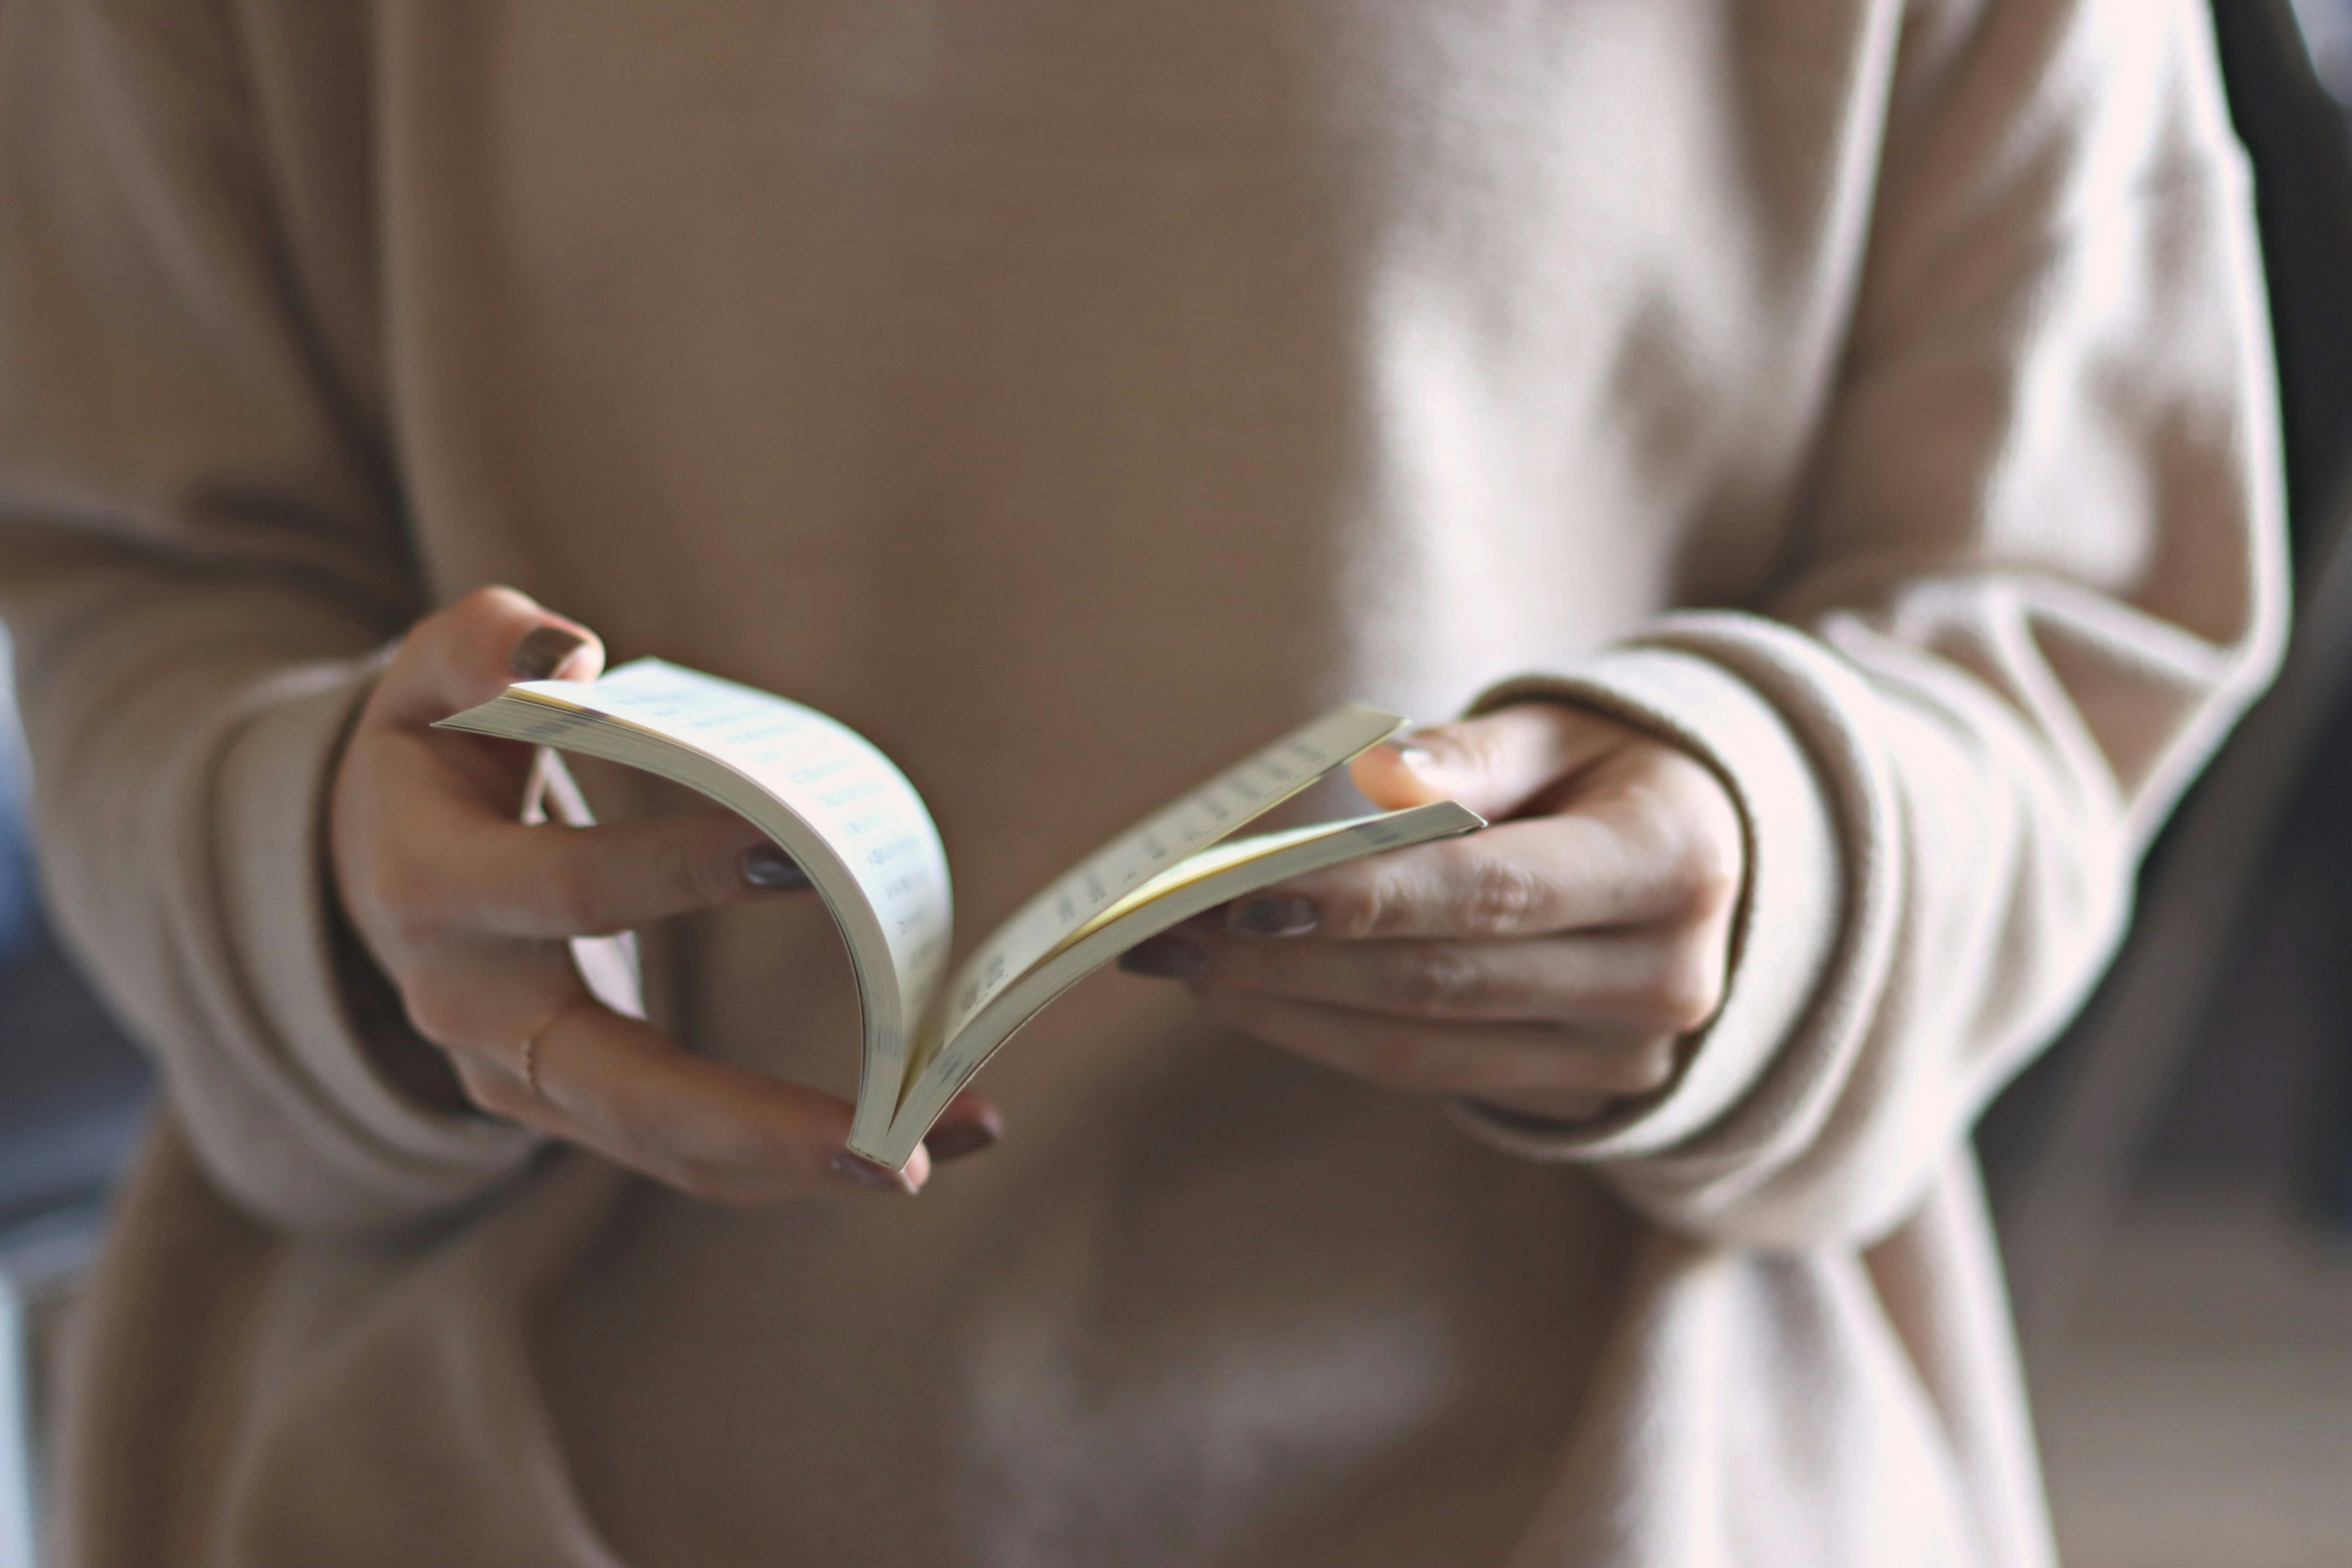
(770, 868)
(865, 1172)
(958, 1139)
(1284, 914)
(543, 652)
(1165, 958)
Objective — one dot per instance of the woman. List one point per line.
(1824, 446)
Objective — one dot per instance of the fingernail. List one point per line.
(765, 866)
(1419, 758)
(1165, 958)
(542, 651)
(1284, 914)
(861, 1172)
(958, 1139)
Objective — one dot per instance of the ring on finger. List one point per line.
(531, 1053)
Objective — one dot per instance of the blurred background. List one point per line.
(2173, 1181)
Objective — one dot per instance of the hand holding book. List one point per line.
(1553, 966)
(856, 825)
(497, 936)
(1549, 965)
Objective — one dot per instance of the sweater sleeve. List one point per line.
(2039, 571)
(200, 554)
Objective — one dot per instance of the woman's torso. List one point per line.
(1067, 397)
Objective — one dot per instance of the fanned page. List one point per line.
(822, 791)
(847, 813)
(1195, 820)
(1195, 885)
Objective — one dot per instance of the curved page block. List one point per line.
(1231, 869)
(840, 808)
(849, 817)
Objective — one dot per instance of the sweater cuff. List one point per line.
(1786, 933)
(277, 892)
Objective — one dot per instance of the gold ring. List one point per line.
(531, 1054)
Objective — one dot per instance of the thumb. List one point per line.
(469, 652)
(1495, 764)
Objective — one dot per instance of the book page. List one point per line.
(830, 776)
(1200, 818)
(822, 791)
(1231, 870)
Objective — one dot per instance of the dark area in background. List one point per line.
(2295, 138)
(2270, 1085)
(2270, 1090)
(72, 1089)
(2263, 1083)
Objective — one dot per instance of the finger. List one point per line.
(706, 1127)
(1534, 877)
(967, 1126)
(1648, 834)
(1477, 1059)
(474, 649)
(1495, 764)
(531, 1044)
(477, 869)
(1553, 1106)
(619, 1088)
(1652, 980)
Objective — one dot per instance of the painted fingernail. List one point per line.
(1284, 914)
(542, 651)
(858, 1170)
(1165, 958)
(766, 866)
(958, 1139)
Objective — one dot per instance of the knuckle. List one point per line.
(1688, 988)
(1641, 1068)
(1710, 875)
(1653, 1068)
(1361, 905)
(1697, 986)
(1694, 830)
(1395, 1062)
(1476, 748)
(1501, 896)
(441, 1014)
(495, 1093)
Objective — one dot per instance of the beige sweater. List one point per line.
(1871, 394)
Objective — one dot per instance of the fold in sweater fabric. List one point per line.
(1870, 395)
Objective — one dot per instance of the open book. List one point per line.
(848, 816)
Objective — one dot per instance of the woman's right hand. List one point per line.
(469, 910)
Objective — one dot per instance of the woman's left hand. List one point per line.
(1550, 964)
